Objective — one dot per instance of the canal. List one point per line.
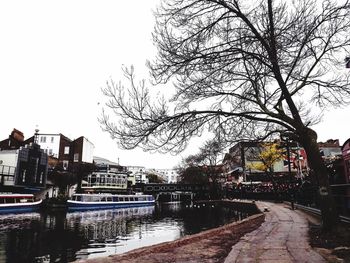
(65, 237)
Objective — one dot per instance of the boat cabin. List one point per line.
(111, 198)
(16, 198)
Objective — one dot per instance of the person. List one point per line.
(47, 195)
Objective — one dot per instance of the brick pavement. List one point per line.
(282, 238)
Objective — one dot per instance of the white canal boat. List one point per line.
(107, 201)
(18, 203)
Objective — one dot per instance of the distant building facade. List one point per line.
(168, 175)
(238, 162)
(139, 173)
(330, 149)
(346, 157)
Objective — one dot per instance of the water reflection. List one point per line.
(108, 231)
(65, 237)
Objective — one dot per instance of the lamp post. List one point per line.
(36, 136)
(285, 138)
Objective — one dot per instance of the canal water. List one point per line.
(65, 237)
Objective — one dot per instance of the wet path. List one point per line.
(282, 238)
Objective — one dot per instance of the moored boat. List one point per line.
(107, 201)
(18, 203)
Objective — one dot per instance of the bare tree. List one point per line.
(203, 167)
(208, 158)
(249, 69)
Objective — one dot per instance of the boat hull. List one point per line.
(79, 206)
(20, 207)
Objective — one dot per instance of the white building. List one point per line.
(139, 173)
(169, 175)
(55, 145)
(82, 150)
(67, 151)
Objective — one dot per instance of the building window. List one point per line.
(76, 157)
(66, 150)
(43, 139)
(24, 176)
(52, 139)
(50, 151)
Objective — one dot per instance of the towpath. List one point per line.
(282, 238)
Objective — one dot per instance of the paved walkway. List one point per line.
(282, 238)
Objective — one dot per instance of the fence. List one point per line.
(307, 195)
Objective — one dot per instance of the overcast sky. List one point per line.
(55, 56)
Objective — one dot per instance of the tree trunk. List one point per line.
(329, 213)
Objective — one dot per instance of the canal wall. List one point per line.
(214, 243)
(246, 206)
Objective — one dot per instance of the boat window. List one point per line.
(21, 200)
(78, 197)
(95, 198)
(93, 179)
(102, 180)
(10, 200)
(2, 200)
(109, 198)
(115, 199)
(126, 198)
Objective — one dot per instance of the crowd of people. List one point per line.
(281, 191)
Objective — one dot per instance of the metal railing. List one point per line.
(317, 212)
(304, 196)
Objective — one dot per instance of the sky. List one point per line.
(55, 56)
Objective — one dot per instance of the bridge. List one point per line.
(168, 188)
(172, 192)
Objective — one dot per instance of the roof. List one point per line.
(100, 160)
(9, 151)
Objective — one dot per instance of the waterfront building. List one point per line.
(107, 177)
(64, 157)
(23, 169)
(67, 152)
